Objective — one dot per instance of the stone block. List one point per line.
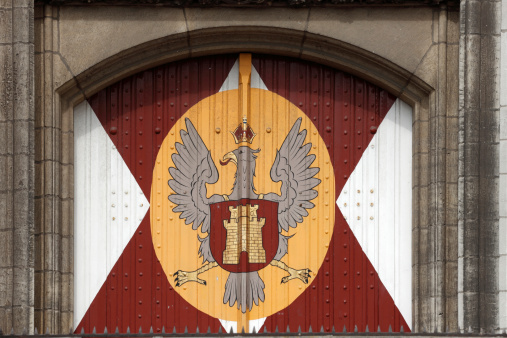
(491, 18)
(6, 24)
(488, 198)
(22, 318)
(472, 166)
(502, 200)
(6, 250)
(428, 68)
(51, 251)
(6, 4)
(377, 30)
(503, 123)
(473, 17)
(67, 217)
(451, 243)
(39, 145)
(503, 160)
(503, 67)
(39, 251)
(23, 208)
(453, 27)
(502, 236)
(23, 4)
(199, 18)
(50, 287)
(470, 241)
(39, 285)
(451, 276)
(471, 274)
(488, 310)
(22, 286)
(472, 72)
(488, 131)
(21, 132)
(502, 306)
(49, 217)
(451, 204)
(66, 282)
(23, 172)
(22, 16)
(6, 138)
(424, 246)
(49, 177)
(23, 82)
(502, 273)
(39, 181)
(424, 207)
(23, 246)
(489, 75)
(82, 31)
(67, 146)
(451, 172)
(421, 131)
(6, 85)
(6, 210)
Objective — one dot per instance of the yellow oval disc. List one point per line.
(271, 117)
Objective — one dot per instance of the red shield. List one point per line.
(244, 234)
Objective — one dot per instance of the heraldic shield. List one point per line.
(244, 234)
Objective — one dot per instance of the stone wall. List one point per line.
(412, 51)
(16, 166)
(478, 208)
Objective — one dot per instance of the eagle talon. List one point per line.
(303, 275)
(183, 277)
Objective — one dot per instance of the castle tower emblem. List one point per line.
(244, 234)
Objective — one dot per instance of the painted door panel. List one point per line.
(130, 241)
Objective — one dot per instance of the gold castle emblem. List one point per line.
(244, 233)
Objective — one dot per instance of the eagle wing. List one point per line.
(194, 168)
(292, 168)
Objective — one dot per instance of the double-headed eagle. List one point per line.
(194, 168)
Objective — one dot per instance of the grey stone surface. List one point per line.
(17, 165)
(479, 164)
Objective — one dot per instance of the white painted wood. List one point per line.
(252, 324)
(256, 81)
(228, 324)
(108, 207)
(377, 204)
(256, 324)
(232, 80)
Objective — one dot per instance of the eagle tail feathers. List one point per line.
(245, 289)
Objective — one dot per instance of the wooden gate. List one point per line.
(242, 192)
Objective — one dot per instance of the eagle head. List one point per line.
(244, 159)
(241, 156)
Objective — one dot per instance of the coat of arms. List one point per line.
(244, 228)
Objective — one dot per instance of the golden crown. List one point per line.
(243, 133)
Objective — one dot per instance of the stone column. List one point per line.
(478, 213)
(16, 165)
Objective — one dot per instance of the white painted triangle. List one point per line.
(256, 81)
(109, 205)
(232, 80)
(376, 201)
(252, 324)
(256, 324)
(228, 324)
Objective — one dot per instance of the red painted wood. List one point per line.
(143, 108)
